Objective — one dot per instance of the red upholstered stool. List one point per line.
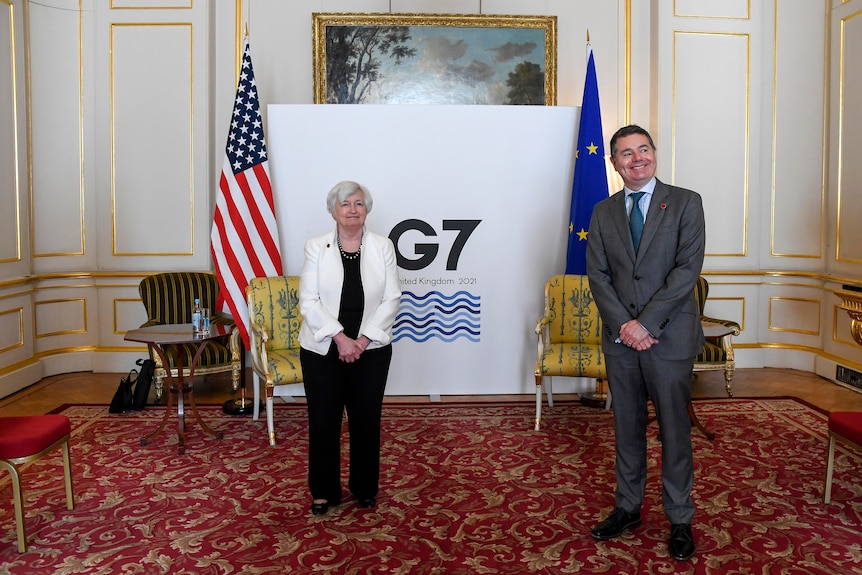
(27, 438)
(844, 426)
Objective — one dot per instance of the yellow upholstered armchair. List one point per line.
(168, 299)
(717, 354)
(570, 336)
(273, 307)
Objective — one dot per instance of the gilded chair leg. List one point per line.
(728, 381)
(159, 382)
(18, 499)
(67, 476)
(270, 425)
(538, 402)
(234, 377)
(236, 349)
(830, 461)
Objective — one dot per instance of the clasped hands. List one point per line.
(350, 349)
(636, 336)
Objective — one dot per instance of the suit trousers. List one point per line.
(331, 387)
(635, 378)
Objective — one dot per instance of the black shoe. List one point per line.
(681, 545)
(616, 523)
(367, 502)
(320, 508)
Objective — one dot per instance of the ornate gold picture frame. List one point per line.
(434, 59)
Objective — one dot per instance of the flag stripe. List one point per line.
(244, 239)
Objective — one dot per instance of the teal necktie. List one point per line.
(636, 220)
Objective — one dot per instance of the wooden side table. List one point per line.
(161, 337)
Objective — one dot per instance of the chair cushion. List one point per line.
(711, 353)
(284, 366)
(572, 360)
(847, 424)
(21, 436)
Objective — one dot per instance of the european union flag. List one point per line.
(590, 183)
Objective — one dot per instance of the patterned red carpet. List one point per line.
(465, 489)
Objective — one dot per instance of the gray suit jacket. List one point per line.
(656, 287)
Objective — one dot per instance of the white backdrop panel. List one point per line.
(509, 167)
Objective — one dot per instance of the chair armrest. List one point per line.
(725, 322)
(219, 318)
(150, 322)
(541, 332)
(235, 345)
(543, 321)
(258, 337)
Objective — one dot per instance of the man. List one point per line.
(652, 330)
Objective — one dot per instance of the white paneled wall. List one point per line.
(114, 116)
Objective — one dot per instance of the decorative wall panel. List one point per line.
(795, 315)
(11, 329)
(128, 314)
(57, 184)
(152, 126)
(799, 147)
(732, 308)
(849, 242)
(150, 4)
(10, 178)
(61, 317)
(711, 89)
(727, 9)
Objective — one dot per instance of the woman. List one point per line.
(348, 295)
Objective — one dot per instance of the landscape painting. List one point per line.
(434, 59)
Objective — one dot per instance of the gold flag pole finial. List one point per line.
(245, 32)
(588, 35)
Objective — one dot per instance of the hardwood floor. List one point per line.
(98, 388)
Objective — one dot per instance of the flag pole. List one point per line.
(589, 186)
(244, 239)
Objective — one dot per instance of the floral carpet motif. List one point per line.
(465, 488)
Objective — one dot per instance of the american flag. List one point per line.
(244, 239)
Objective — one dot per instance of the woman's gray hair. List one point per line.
(343, 190)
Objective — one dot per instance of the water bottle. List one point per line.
(196, 317)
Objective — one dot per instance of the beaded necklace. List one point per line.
(346, 255)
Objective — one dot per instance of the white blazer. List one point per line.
(320, 291)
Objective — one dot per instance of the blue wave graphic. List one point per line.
(411, 295)
(440, 316)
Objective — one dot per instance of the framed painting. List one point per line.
(434, 59)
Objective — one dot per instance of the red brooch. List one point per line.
(663, 206)
(327, 245)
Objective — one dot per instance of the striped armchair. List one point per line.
(717, 353)
(168, 299)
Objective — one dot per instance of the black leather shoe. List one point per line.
(367, 502)
(616, 524)
(681, 545)
(320, 508)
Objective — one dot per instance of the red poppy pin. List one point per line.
(663, 206)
